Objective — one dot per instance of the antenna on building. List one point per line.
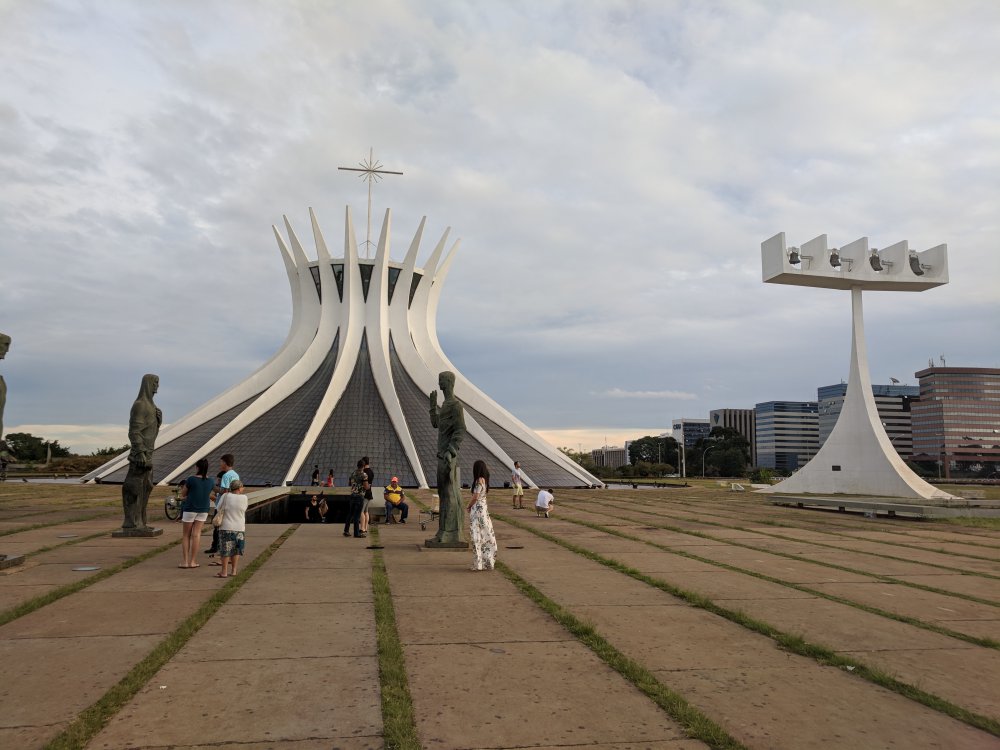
(941, 356)
(930, 362)
(894, 381)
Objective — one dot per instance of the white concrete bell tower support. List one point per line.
(858, 457)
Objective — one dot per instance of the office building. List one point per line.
(956, 422)
(690, 431)
(893, 403)
(609, 458)
(744, 421)
(787, 433)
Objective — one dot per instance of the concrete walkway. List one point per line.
(291, 661)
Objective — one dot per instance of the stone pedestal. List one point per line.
(434, 544)
(133, 533)
(11, 561)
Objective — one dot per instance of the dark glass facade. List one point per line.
(787, 433)
(956, 422)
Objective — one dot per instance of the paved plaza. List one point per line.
(658, 619)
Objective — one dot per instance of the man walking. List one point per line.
(517, 482)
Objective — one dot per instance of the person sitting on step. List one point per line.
(395, 498)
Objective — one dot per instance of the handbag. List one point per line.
(219, 514)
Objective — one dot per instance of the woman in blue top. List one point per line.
(196, 492)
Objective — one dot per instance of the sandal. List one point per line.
(221, 575)
(215, 563)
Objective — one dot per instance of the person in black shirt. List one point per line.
(368, 495)
(314, 512)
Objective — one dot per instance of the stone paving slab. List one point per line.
(670, 638)
(285, 631)
(91, 613)
(523, 694)
(655, 561)
(373, 742)
(954, 672)
(820, 706)
(29, 736)
(925, 605)
(789, 693)
(925, 556)
(793, 571)
(12, 596)
(875, 565)
(840, 627)
(656, 745)
(305, 673)
(500, 673)
(280, 586)
(422, 621)
(724, 584)
(292, 700)
(976, 628)
(50, 680)
(76, 650)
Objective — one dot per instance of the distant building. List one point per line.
(894, 407)
(956, 422)
(609, 458)
(787, 433)
(744, 421)
(690, 431)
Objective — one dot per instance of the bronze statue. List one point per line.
(4, 348)
(449, 420)
(143, 426)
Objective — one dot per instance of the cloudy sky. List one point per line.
(611, 168)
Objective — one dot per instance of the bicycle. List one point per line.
(172, 507)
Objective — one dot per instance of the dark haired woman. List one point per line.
(196, 492)
(484, 541)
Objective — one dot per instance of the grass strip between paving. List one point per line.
(693, 505)
(26, 608)
(93, 719)
(67, 543)
(398, 722)
(939, 629)
(695, 724)
(46, 524)
(793, 643)
(817, 543)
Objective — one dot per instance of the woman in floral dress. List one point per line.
(484, 541)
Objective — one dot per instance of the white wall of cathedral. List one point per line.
(302, 330)
(378, 324)
(409, 319)
(351, 312)
(429, 349)
(331, 320)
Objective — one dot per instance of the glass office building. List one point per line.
(787, 433)
(956, 422)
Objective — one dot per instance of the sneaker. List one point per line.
(402, 520)
(347, 533)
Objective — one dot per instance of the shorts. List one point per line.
(190, 516)
(364, 506)
(231, 543)
(518, 490)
